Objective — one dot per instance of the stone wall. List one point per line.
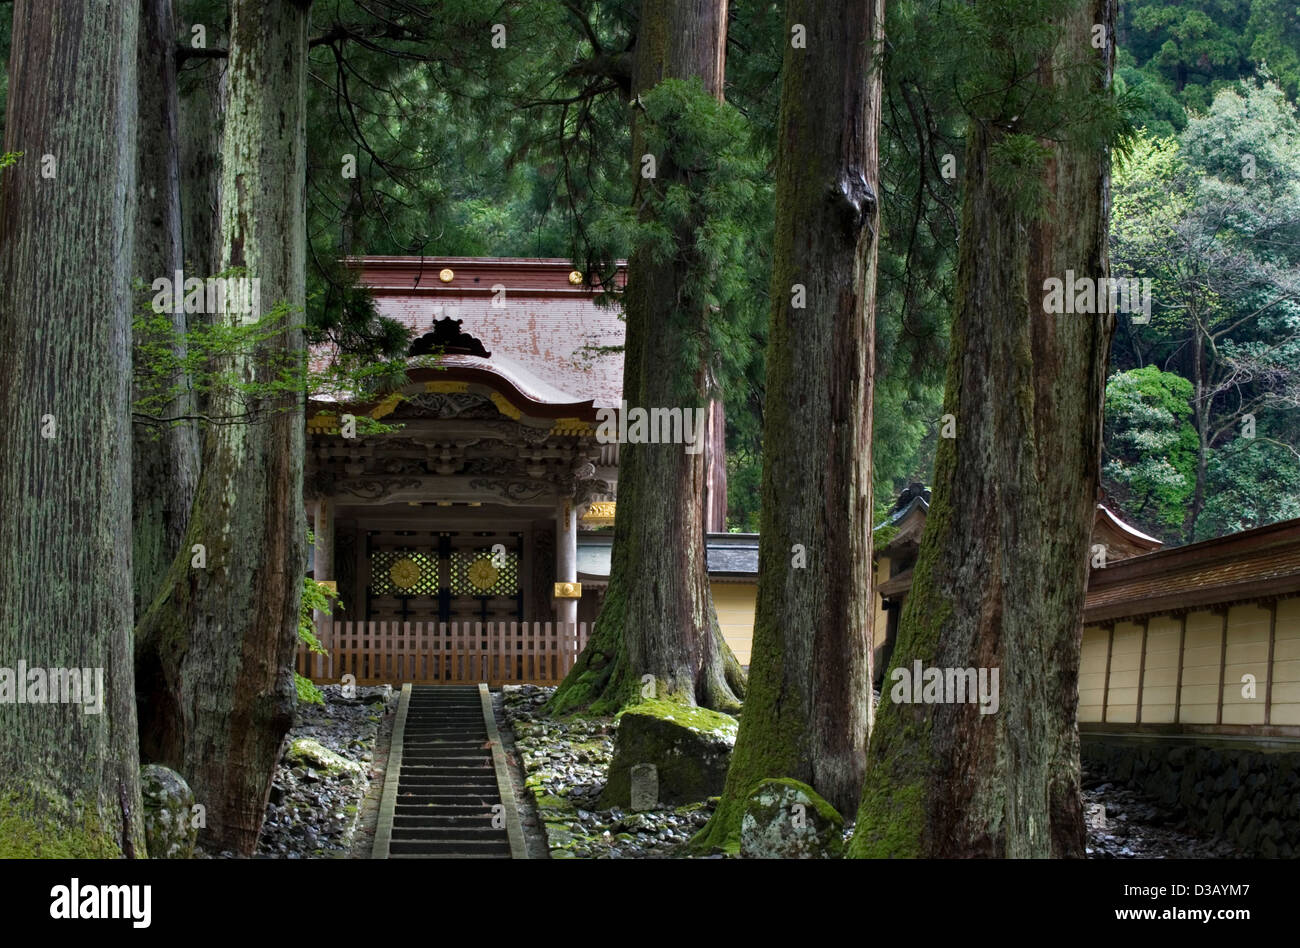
(1239, 792)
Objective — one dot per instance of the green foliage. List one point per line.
(1252, 482)
(316, 597)
(1212, 219)
(239, 367)
(1179, 56)
(1150, 446)
(706, 214)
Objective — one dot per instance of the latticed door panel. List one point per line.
(445, 576)
(484, 577)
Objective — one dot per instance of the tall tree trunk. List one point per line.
(807, 714)
(1000, 578)
(69, 777)
(202, 85)
(225, 633)
(165, 458)
(658, 618)
(1202, 406)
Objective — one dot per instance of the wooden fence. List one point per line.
(445, 652)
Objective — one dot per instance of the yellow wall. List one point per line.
(1201, 655)
(735, 605)
(1246, 654)
(1286, 664)
(1092, 672)
(1125, 660)
(1160, 677)
(880, 624)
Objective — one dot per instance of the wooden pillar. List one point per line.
(566, 561)
(1272, 638)
(1223, 663)
(1105, 692)
(1142, 669)
(715, 469)
(323, 570)
(1178, 688)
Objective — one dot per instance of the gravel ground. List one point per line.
(564, 764)
(559, 766)
(1123, 824)
(313, 813)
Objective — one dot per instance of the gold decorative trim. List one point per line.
(568, 591)
(387, 406)
(445, 388)
(447, 275)
(571, 426)
(323, 423)
(504, 406)
(600, 514)
(575, 277)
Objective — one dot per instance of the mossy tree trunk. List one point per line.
(1000, 578)
(69, 777)
(658, 617)
(164, 457)
(808, 711)
(202, 113)
(223, 636)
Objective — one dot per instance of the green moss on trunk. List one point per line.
(49, 828)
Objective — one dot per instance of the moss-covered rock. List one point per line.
(313, 755)
(169, 829)
(689, 747)
(786, 819)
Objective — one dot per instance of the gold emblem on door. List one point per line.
(483, 574)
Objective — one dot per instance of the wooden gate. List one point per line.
(448, 653)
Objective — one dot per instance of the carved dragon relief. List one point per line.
(450, 405)
(513, 490)
(376, 488)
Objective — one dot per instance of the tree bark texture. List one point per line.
(1000, 578)
(165, 459)
(69, 776)
(224, 634)
(807, 714)
(658, 618)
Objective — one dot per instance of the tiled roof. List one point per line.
(547, 327)
(1252, 564)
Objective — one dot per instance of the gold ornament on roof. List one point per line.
(405, 573)
(447, 275)
(482, 574)
(575, 277)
